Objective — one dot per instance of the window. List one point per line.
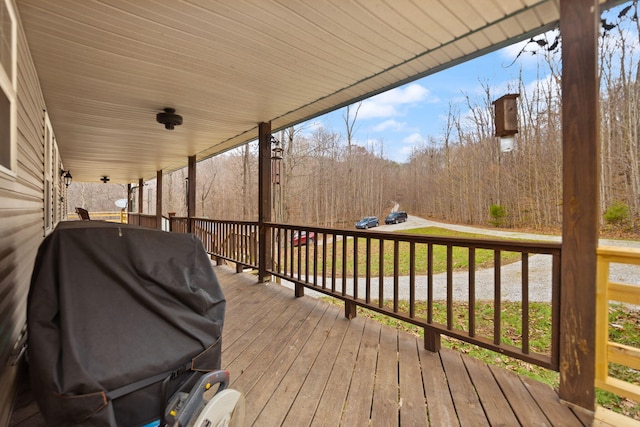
(7, 88)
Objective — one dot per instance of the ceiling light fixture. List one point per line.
(169, 118)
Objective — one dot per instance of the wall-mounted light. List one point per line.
(66, 177)
(506, 120)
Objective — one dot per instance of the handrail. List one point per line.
(327, 264)
(608, 351)
(113, 216)
(324, 264)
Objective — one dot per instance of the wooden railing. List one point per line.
(608, 351)
(143, 220)
(333, 261)
(117, 216)
(235, 241)
(357, 267)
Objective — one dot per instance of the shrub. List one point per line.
(497, 213)
(617, 213)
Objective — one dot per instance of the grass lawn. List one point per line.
(460, 256)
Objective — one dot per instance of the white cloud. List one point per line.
(390, 103)
(390, 125)
(414, 139)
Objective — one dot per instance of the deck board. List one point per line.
(299, 362)
(357, 410)
(337, 387)
(490, 394)
(413, 407)
(307, 401)
(278, 406)
(385, 397)
(440, 406)
(465, 398)
(523, 404)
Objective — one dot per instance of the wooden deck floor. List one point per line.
(299, 362)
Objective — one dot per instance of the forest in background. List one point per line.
(459, 176)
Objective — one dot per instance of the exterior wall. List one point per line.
(22, 222)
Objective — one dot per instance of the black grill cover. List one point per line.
(112, 305)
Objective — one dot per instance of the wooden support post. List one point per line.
(171, 216)
(159, 199)
(299, 290)
(432, 341)
(191, 193)
(129, 203)
(579, 20)
(350, 310)
(264, 200)
(140, 196)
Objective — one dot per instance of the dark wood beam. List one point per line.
(264, 200)
(159, 200)
(191, 191)
(140, 195)
(580, 223)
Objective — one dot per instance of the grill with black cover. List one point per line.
(118, 318)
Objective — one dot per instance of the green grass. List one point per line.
(460, 256)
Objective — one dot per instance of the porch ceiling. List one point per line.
(108, 66)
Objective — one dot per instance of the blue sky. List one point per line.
(396, 121)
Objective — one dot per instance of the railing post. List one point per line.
(159, 199)
(171, 219)
(140, 197)
(432, 341)
(350, 310)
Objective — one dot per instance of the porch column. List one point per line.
(580, 219)
(159, 199)
(129, 203)
(191, 192)
(140, 196)
(264, 200)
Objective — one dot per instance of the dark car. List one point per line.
(396, 217)
(368, 221)
(303, 238)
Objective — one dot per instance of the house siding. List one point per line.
(21, 218)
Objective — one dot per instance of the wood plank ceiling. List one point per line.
(108, 66)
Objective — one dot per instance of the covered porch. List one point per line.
(93, 78)
(300, 362)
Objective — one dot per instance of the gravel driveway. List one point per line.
(539, 271)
